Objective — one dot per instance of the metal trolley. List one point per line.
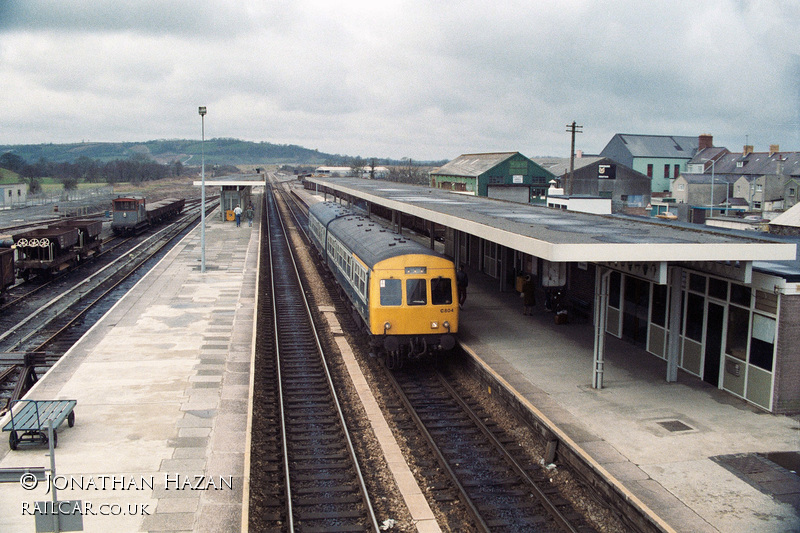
(29, 423)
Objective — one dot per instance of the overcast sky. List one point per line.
(423, 79)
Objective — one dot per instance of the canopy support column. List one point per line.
(673, 338)
(601, 283)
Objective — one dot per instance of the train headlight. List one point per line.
(446, 324)
(387, 326)
(434, 325)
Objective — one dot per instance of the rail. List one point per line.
(319, 465)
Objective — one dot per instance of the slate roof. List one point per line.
(559, 166)
(666, 146)
(473, 165)
(755, 164)
(706, 178)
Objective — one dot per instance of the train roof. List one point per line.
(371, 241)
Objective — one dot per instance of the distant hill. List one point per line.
(188, 152)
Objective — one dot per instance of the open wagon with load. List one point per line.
(45, 250)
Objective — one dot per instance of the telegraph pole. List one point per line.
(574, 128)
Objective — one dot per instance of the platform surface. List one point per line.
(683, 448)
(162, 384)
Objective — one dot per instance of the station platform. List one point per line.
(682, 449)
(162, 382)
(162, 389)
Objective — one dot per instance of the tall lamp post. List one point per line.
(202, 111)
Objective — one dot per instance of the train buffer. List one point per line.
(29, 422)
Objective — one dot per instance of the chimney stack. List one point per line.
(773, 149)
(705, 141)
(748, 149)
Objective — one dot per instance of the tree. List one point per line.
(177, 168)
(70, 183)
(408, 172)
(86, 169)
(34, 185)
(357, 166)
(12, 162)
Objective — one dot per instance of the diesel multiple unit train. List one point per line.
(403, 292)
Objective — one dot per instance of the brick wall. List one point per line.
(787, 366)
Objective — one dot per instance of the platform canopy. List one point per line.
(563, 236)
(240, 180)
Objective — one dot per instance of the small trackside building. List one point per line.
(502, 175)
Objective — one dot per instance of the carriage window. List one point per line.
(441, 291)
(391, 292)
(416, 291)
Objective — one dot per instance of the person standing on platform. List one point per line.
(249, 214)
(462, 281)
(237, 213)
(528, 295)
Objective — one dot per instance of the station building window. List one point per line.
(728, 330)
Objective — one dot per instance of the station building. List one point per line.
(13, 195)
(661, 158)
(721, 306)
(594, 176)
(504, 175)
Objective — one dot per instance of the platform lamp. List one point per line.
(202, 111)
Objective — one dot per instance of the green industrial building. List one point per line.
(504, 175)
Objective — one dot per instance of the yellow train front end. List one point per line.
(413, 306)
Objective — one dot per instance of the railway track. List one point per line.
(309, 478)
(50, 319)
(501, 491)
(497, 496)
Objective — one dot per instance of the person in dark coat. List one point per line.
(528, 295)
(462, 281)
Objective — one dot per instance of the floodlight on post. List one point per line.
(202, 111)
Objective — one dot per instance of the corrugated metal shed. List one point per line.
(473, 165)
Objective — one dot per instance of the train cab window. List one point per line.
(416, 292)
(441, 291)
(391, 292)
(126, 206)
